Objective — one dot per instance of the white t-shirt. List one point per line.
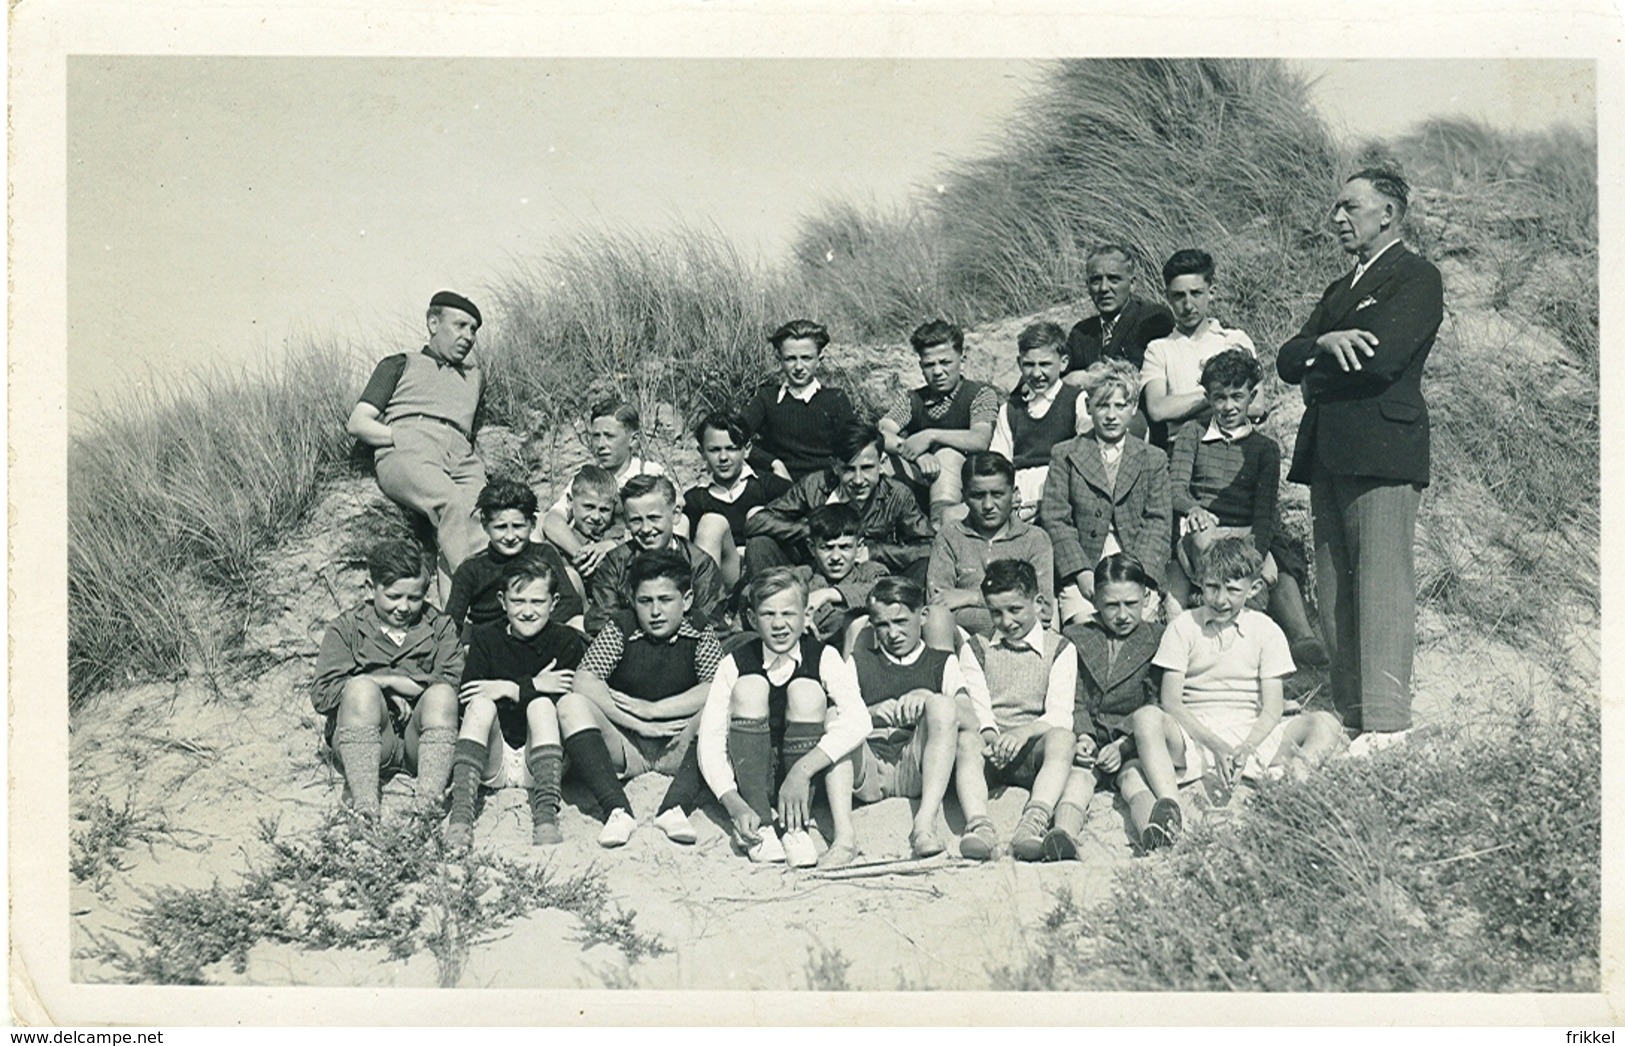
(1173, 365)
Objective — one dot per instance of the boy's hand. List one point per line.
(1110, 758)
(1201, 519)
(393, 683)
(746, 823)
(778, 469)
(1008, 745)
(795, 800)
(929, 466)
(1239, 756)
(492, 690)
(552, 680)
(403, 709)
(590, 556)
(911, 706)
(635, 706)
(917, 444)
(1083, 754)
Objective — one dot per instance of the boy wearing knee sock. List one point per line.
(1025, 723)
(386, 680)
(763, 737)
(516, 669)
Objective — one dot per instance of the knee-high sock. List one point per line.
(589, 757)
(799, 739)
(750, 750)
(1069, 818)
(358, 749)
(687, 786)
(546, 764)
(467, 767)
(435, 748)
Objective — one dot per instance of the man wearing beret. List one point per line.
(418, 414)
(1363, 449)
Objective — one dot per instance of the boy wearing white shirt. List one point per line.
(1040, 412)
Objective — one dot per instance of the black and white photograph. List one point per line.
(1048, 515)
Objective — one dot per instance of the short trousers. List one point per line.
(890, 767)
(514, 771)
(398, 743)
(1020, 771)
(642, 755)
(1199, 759)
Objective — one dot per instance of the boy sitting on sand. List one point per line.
(386, 681)
(517, 668)
(614, 432)
(647, 685)
(963, 549)
(1222, 669)
(508, 514)
(717, 511)
(841, 576)
(650, 506)
(913, 693)
(792, 419)
(592, 502)
(1041, 412)
(763, 729)
(1029, 676)
(1115, 677)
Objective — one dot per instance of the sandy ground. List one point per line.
(210, 761)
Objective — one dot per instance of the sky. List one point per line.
(218, 207)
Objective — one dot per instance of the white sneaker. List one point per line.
(677, 826)
(799, 849)
(767, 849)
(1373, 741)
(617, 829)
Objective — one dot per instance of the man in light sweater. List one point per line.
(418, 414)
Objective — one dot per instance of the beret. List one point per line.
(451, 299)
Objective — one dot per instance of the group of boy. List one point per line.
(902, 589)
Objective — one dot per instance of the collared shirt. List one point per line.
(960, 555)
(1058, 697)
(843, 732)
(1038, 405)
(1215, 434)
(735, 492)
(1359, 270)
(1173, 365)
(1223, 664)
(804, 394)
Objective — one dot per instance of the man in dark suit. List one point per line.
(1363, 449)
(1123, 324)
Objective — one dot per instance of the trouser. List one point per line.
(433, 471)
(1365, 583)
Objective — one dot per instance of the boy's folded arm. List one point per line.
(682, 704)
(851, 723)
(978, 437)
(957, 598)
(556, 528)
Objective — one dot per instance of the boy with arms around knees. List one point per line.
(929, 430)
(717, 511)
(508, 514)
(1041, 413)
(386, 678)
(1220, 710)
(794, 417)
(647, 685)
(763, 728)
(841, 576)
(516, 669)
(1024, 724)
(913, 693)
(614, 435)
(650, 506)
(1115, 677)
(963, 548)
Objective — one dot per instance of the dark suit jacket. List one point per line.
(1141, 323)
(1106, 700)
(1078, 510)
(1370, 422)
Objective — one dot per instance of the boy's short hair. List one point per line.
(986, 463)
(828, 522)
(1389, 183)
(852, 437)
(390, 561)
(620, 410)
(1103, 249)
(1102, 376)
(1191, 261)
(1010, 575)
(1036, 336)
(1232, 369)
(1120, 567)
(525, 569)
(591, 479)
(937, 332)
(895, 588)
(503, 494)
(643, 486)
(667, 563)
(1231, 559)
(723, 421)
(771, 582)
(800, 330)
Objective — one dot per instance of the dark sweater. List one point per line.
(796, 433)
(1238, 482)
(494, 653)
(477, 586)
(881, 679)
(760, 489)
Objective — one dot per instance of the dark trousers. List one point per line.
(1365, 583)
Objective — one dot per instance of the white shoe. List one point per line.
(799, 849)
(677, 826)
(618, 829)
(1374, 741)
(767, 849)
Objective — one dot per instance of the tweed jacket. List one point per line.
(1106, 700)
(1079, 509)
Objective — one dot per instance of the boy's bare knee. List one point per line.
(941, 712)
(805, 701)
(541, 713)
(749, 698)
(361, 701)
(1058, 740)
(575, 713)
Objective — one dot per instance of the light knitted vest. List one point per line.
(427, 387)
(1017, 681)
